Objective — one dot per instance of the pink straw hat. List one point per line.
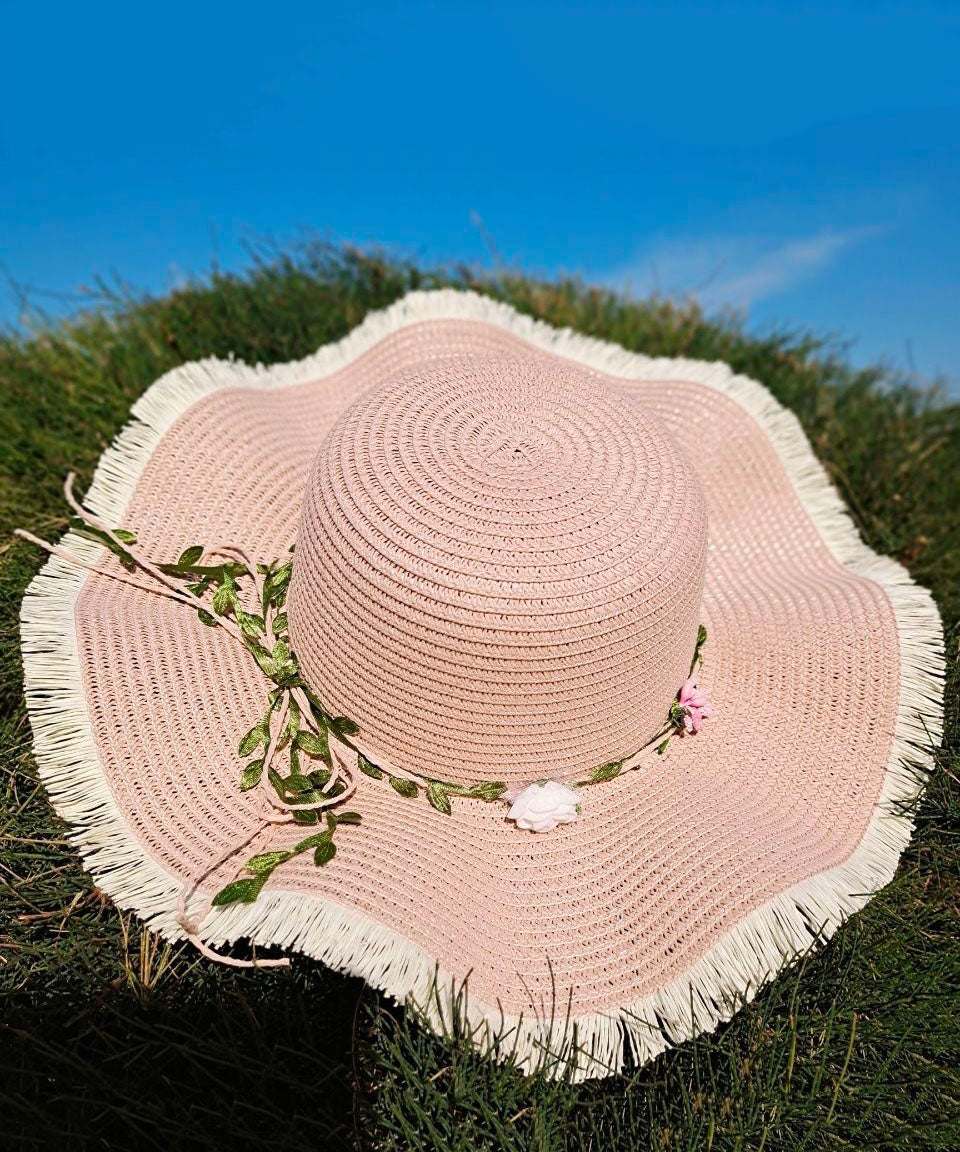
(580, 709)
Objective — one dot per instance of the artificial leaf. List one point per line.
(300, 792)
(223, 600)
(437, 796)
(189, 556)
(336, 791)
(313, 841)
(251, 625)
(347, 817)
(369, 769)
(85, 529)
(253, 739)
(403, 786)
(206, 618)
(488, 789)
(209, 572)
(605, 772)
(344, 727)
(262, 656)
(312, 743)
(281, 578)
(242, 891)
(289, 675)
(314, 702)
(296, 783)
(313, 796)
(251, 775)
(324, 853)
(266, 862)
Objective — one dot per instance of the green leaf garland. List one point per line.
(218, 589)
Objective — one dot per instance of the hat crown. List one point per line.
(499, 570)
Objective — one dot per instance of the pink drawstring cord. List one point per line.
(192, 926)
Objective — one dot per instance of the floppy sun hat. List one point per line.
(530, 679)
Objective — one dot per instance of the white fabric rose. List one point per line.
(544, 805)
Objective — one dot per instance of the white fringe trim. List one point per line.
(591, 1045)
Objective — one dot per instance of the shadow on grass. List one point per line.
(223, 1062)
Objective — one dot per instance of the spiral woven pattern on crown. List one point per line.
(499, 570)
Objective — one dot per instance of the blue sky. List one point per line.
(799, 162)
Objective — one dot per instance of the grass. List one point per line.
(113, 1039)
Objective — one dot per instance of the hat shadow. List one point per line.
(209, 1058)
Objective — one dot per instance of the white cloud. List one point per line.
(736, 271)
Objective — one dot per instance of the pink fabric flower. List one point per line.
(696, 707)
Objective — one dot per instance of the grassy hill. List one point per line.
(111, 1039)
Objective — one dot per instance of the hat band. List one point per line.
(324, 759)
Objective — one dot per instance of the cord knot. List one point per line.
(190, 926)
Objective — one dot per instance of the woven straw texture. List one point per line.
(499, 570)
(500, 562)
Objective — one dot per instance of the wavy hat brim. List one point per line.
(685, 884)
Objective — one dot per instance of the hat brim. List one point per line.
(685, 883)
